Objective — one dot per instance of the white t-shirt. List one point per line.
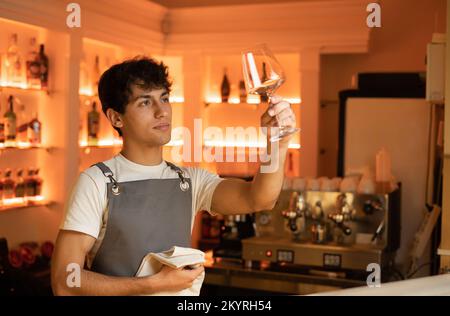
(87, 206)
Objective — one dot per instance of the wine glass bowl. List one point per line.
(263, 75)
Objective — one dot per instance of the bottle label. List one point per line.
(93, 126)
(34, 133)
(10, 128)
(33, 69)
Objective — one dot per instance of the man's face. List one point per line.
(148, 116)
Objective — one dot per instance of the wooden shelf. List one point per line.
(27, 147)
(21, 87)
(25, 204)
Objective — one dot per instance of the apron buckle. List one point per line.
(115, 189)
(184, 185)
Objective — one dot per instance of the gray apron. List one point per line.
(144, 216)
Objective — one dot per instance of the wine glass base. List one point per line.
(286, 131)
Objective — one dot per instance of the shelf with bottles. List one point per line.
(22, 190)
(224, 80)
(17, 129)
(24, 64)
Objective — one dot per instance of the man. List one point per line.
(136, 202)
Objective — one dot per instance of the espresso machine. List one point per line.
(326, 231)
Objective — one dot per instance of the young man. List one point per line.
(136, 202)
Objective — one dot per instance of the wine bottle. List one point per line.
(33, 66)
(225, 87)
(93, 125)
(19, 189)
(29, 183)
(13, 61)
(37, 183)
(22, 124)
(34, 131)
(10, 124)
(242, 92)
(44, 64)
(8, 185)
(264, 78)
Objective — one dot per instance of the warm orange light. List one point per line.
(22, 201)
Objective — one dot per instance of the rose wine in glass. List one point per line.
(263, 75)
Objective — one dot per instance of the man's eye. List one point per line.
(165, 100)
(146, 102)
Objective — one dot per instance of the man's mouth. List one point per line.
(162, 127)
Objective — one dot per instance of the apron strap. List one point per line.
(109, 174)
(184, 185)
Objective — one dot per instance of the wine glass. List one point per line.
(263, 75)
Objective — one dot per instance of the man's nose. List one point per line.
(162, 110)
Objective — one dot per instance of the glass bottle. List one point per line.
(10, 124)
(8, 185)
(20, 185)
(22, 123)
(33, 66)
(37, 183)
(43, 62)
(242, 92)
(225, 87)
(93, 125)
(13, 61)
(34, 131)
(29, 183)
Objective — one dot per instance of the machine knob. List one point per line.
(347, 230)
(293, 226)
(371, 206)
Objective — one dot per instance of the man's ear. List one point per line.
(115, 118)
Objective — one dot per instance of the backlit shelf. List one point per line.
(19, 86)
(23, 146)
(19, 203)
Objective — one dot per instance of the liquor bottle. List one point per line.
(19, 190)
(37, 183)
(242, 92)
(43, 63)
(13, 61)
(33, 66)
(29, 183)
(22, 124)
(264, 96)
(93, 122)
(8, 185)
(225, 87)
(34, 131)
(96, 75)
(10, 124)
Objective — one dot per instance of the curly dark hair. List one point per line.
(114, 87)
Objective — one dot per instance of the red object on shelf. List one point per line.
(47, 249)
(15, 259)
(28, 254)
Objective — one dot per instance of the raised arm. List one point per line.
(235, 196)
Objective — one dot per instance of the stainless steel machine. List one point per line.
(327, 231)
